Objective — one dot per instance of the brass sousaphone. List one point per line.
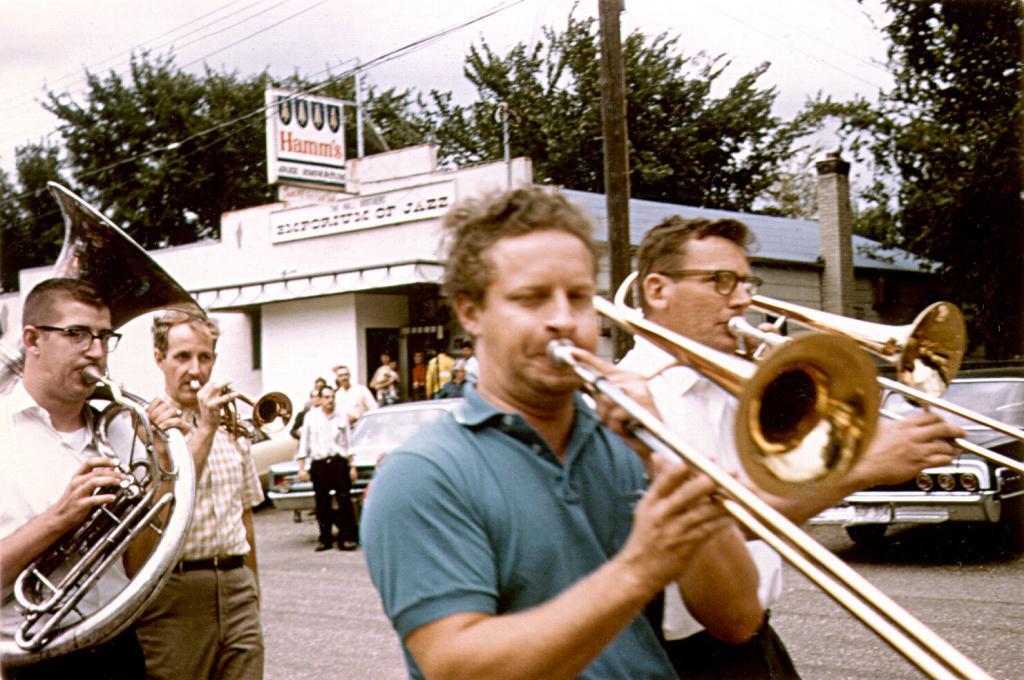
(49, 589)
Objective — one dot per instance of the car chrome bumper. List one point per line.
(304, 500)
(874, 507)
(295, 500)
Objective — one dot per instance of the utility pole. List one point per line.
(616, 157)
(360, 149)
(502, 115)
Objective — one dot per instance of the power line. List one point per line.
(817, 38)
(253, 34)
(380, 60)
(792, 47)
(17, 99)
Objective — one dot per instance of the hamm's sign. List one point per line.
(365, 212)
(305, 139)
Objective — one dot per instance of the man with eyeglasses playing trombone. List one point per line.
(51, 473)
(693, 276)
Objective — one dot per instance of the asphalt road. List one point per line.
(322, 618)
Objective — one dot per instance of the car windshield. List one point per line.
(1000, 399)
(389, 429)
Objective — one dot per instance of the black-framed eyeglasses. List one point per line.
(81, 337)
(725, 280)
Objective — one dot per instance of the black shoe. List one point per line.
(321, 546)
(348, 545)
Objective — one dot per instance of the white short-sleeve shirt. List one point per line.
(703, 415)
(36, 464)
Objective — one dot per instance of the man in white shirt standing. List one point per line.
(50, 466)
(351, 398)
(323, 457)
(694, 275)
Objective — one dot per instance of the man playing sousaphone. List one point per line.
(205, 623)
(51, 469)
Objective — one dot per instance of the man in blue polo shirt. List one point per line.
(518, 537)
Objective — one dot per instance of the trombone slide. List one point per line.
(911, 638)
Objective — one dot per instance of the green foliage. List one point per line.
(33, 229)
(686, 145)
(163, 153)
(945, 144)
(794, 193)
(135, 145)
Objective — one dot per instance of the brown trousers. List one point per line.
(204, 624)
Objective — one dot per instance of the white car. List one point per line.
(375, 435)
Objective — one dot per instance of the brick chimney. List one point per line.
(835, 221)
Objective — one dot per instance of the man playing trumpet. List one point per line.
(205, 623)
(51, 468)
(694, 275)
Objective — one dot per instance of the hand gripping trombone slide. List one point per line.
(916, 642)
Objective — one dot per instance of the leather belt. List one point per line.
(217, 563)
(328, 459)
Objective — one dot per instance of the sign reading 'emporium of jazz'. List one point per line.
(305, 139)
(364, 212)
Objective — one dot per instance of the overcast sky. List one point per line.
(829, 45)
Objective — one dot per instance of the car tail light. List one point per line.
(947, 482)
(969, 481)
(283, 483)
(924, 481)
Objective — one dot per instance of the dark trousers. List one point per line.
(702, 657)
(331, 474)
(118, 659)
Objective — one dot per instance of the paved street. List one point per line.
(322, 618)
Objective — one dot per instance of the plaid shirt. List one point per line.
(227, 487)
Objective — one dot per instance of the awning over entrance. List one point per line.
(295, 287)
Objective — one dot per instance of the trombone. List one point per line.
(848, 418)
(926, 353)
(742, 328)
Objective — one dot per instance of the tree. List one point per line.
(163, 152)
(686, 146)
(33, 229)
(945, 144)
(794, 193)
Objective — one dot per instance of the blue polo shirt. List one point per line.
(476, 514)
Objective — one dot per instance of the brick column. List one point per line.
(835, 221)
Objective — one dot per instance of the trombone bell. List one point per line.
(926, 353)
(806, 415)
(806, 412)
(934, 349)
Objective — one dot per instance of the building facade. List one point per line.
(321, 279)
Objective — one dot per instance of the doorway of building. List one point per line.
(380, 341)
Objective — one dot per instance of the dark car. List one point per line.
(971, 488)
(374, 436)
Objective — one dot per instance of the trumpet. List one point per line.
(777, 381)
(270, 413)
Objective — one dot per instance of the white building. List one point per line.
(321, 278)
